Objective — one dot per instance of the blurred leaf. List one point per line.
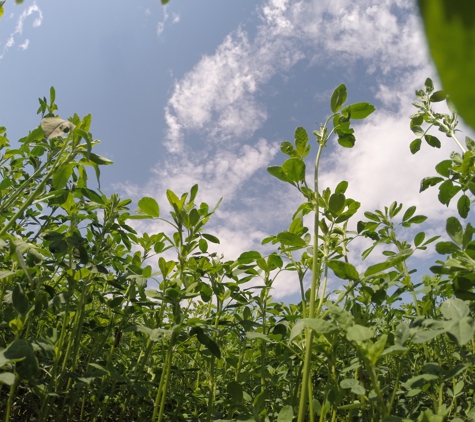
(286, 414)
(450, 31)
(359, 333)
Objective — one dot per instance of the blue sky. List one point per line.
(205, 91)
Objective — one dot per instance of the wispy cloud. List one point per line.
(166, 16)
(19, 28)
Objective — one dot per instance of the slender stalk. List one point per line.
(313, 294)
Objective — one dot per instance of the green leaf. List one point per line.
(463, 206)
(444, 167)
(418, 219)
(455, 230)
(27, 366)
(419, 238)
(286, 414)
(432, 141)
(341, 187)
(409, 213)
(358, 110)
(291, 239)
(248, 257)
(438, 96)
(454, 309)
(149, 206)
(19, 299)
(445, 248)
(429, 181)
(316, 324)
(338, 98)
(7, 377)
(337, 203)
(390, 262)
(277, 171)
(347, 140)
(359, 333)
(343, 270)
(294, 168)
(234, 389)
(210, 238)
(62, 175)
(425, 336)
(252, 335)
(415, 145)
(450, 31)
(301, 142)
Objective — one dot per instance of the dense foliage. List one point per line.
(85, 337)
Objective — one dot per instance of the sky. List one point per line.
(204, 92)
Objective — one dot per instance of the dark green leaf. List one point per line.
(463, 206)
(432, 141)
(337, 203)
(429, 181)
(234, 389)
(19, 299)
(415, 145)
(347, 140)
(438, 96)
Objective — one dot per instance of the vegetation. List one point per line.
(85, 337)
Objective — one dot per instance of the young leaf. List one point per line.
(149, 206)
(338, 98)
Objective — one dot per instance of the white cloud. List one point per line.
(24, 45)
(19, 28)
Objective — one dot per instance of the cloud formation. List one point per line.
(221, 101)
(19, 28)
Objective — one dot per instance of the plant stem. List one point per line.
(313, 294)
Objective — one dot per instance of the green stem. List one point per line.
(313, 294)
